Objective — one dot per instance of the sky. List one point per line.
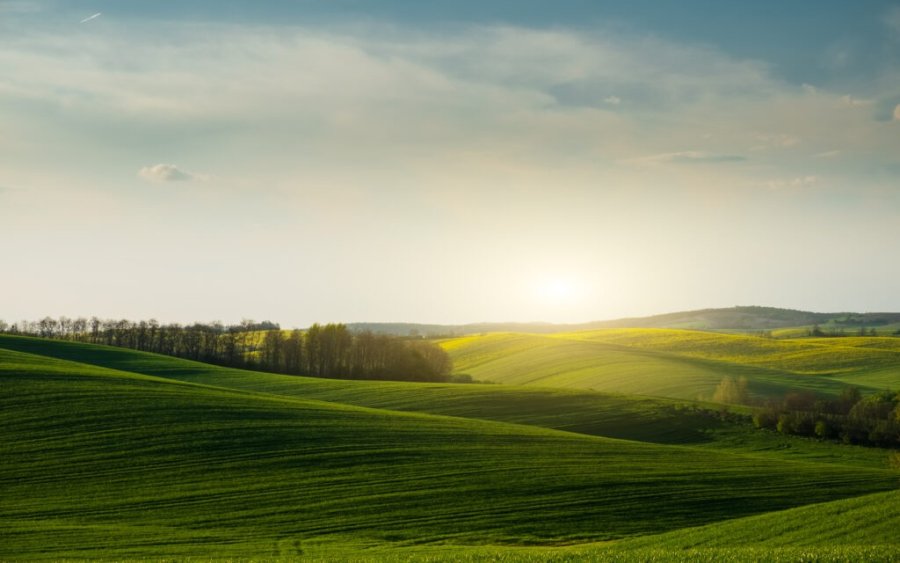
(516, 160)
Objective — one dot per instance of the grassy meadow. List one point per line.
(683, 364)
(109, 453)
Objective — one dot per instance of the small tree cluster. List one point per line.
(873, 420)
(732, 391)
(839, 331)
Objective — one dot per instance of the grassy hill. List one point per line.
(125, 461)
(822, 356)
(865, 520)
(581, 411)
(676, 363)
(857, 529)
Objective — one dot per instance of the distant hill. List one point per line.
(734, 318)
(437, 330)
(751, 318)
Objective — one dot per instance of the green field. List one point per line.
(677, 363)
(865, 520)
(111, 453)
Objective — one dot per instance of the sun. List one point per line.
(556, 290)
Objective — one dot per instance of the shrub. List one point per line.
(824, 429)
(765, 419)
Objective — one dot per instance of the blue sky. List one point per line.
(462, 162)
(798, 38)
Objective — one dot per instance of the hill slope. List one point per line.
(667, 363)
(102, 462)
(823, 356)
(574, 410)
(865, 520)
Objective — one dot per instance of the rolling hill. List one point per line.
(106, 454)
(865, 520)
(822, 356)
(629, 417)
(676, 363)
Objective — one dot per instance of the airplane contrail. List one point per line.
(89, 18)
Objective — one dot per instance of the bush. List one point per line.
(784, 424)
(825, 430)
(894, 460)
(460, 378)
(765, 419)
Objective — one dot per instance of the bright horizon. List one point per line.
(487, 161)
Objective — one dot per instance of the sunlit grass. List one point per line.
(583, 411)
(803, 356)
(659, 362)
(96, 462)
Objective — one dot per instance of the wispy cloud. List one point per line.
(701, 156)
(167, 173)
(787, 183)
(774, 141)
(687, 157)
(897, 112)
(301, 102)
(892, 19)
(93, 17)
(853, 102)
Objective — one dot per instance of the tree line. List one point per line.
(873, 420)
(817, 332)
(329, 350)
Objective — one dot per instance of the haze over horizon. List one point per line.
(481, 161)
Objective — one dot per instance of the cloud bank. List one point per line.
(390, 97)
(515, 151)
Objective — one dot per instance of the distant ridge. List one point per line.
(742, 318)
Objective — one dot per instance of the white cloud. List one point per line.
(92, 17)
(897, 112)
(827, 154)
(399, 105)
(852, 102)
(166, 173)
(206, 73)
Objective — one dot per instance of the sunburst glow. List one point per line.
(557, 290)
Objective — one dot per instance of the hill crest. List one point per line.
(739, 318)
